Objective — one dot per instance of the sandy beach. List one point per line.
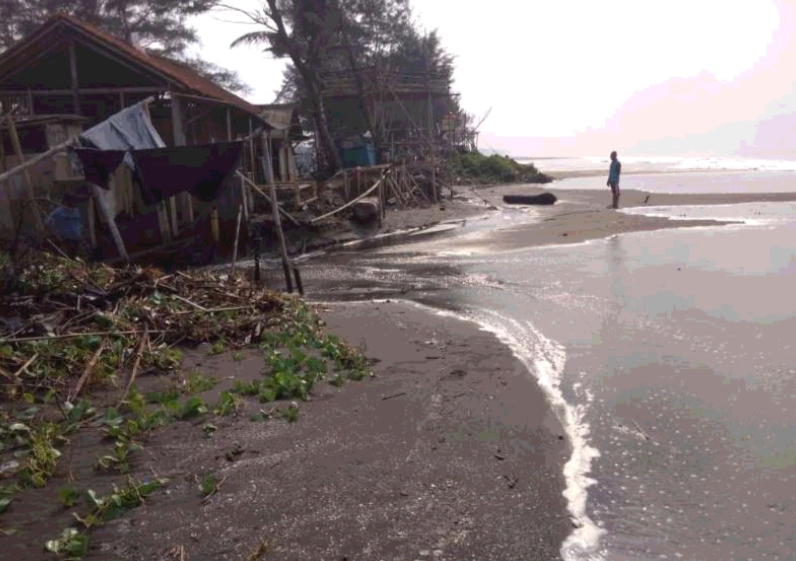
(449, 452)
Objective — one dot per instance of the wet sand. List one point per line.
(449, 452)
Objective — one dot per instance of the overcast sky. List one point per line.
(577, 77)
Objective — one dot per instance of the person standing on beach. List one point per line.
(613, 179)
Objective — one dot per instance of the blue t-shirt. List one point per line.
(67, 223)
(613, 172)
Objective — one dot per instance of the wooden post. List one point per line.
(73, 75)
(237, 238)
(12, 130)
(121, 100)
(175, 227)
(2, 147)
(281, 236)
(431, 144)
(110, 221)
(178, 128)
(229, 124)
(92, 227)
(163, 221)
(278, 222)
(299, 284)
(214, 228)
(31, 111)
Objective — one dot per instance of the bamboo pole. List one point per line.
(281, 236)
(51, 152)
(267, 198)
(348, 204)
(237, 238)
(12, 130)
(110, 221)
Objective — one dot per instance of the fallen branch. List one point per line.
(195, 305)
(72, 336)
(136, 364)
(19, 372)
(213, 310)
(86, 373)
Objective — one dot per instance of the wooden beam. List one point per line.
(73, 77)
(31, 111)
(121, 100)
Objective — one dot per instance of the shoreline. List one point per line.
(450, 452)
(579, 215)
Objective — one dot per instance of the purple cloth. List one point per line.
(202, 170)
(98, 165)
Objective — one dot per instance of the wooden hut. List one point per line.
(68, 76)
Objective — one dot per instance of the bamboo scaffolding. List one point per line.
(348, 204)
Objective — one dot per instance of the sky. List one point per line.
(580, 77)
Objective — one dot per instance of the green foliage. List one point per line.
(68, 496)
(196, 382)
(208, 484)
(72, 545)
(42, 455)
(6, 496)
(103, 508)
(228, 403)
(193, 407)
(478, 168)
(290, 413)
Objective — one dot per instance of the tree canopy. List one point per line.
(319, 36)
(159, 26)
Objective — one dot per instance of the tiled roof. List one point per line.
(182, 78)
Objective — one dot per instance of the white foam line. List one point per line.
(545, 359)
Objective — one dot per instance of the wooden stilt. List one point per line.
(281, 237)
(237, 238)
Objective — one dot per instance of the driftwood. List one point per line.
(541, 199)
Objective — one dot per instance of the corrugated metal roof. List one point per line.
(180, 77)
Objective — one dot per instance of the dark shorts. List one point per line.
(614, 188)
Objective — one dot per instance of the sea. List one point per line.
(668, 356)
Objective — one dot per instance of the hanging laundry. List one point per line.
(202, 170)
(130, 129)
(99, 165)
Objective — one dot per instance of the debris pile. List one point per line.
(62, 320)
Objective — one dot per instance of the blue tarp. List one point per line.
(130, 129)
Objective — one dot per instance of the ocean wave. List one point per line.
(663, 163)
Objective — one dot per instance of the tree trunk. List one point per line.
(310, 77)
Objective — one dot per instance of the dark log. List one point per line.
(541, 199)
